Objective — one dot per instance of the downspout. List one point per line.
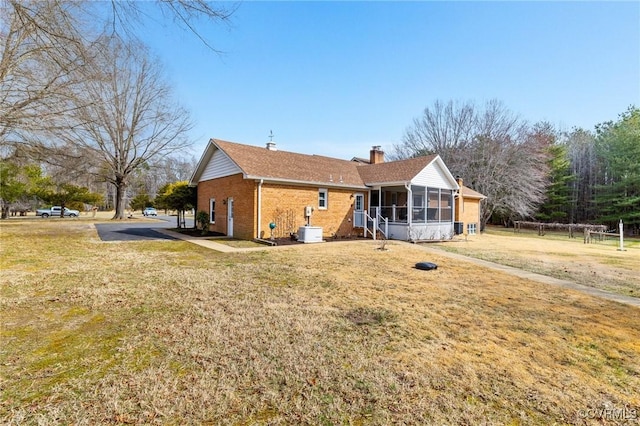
(259, 207)
(407, 185)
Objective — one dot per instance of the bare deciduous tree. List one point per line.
(43, 41)
(511, 172)
(151, 176)
(580, 145)
(442, 128)
(40, 47)
(47, 48)
(494, 150)
(131, 119)
(122, 16)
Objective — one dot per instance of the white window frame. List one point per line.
(358, 204)
(472, 228)
(321, 192)
(212, 210)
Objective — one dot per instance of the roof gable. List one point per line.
(436, 175)
(220, 165)
(427, 170)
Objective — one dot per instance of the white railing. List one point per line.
(368, 218)
(382, 220)
(376, 220)
(393, 213)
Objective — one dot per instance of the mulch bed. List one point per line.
(193, 232)
(289, 241)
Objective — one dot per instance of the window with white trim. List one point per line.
(471, 228)
(212, 210)
(323, 198)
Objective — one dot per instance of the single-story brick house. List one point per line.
(246, 190)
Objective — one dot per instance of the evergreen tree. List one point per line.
(558, 203)
(140, 201)
(618, 148)
(11, 186)
(177, 196)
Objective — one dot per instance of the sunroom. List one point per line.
(415, 204)
(413, 213)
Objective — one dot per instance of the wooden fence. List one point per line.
(570, 228)
(591, 236)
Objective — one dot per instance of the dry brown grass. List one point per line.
(599, 265)
(340, 333)
(236, 243)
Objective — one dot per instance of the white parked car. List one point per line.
(150, 211)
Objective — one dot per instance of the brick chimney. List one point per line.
(376, 155)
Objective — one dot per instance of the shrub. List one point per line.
(202, 218)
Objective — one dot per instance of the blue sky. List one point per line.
(335, 78)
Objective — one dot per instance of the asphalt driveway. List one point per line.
(138, 231)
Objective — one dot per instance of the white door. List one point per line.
(358, 211)
(230, 217)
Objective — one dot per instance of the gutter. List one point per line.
(306, 183)
(407, 185)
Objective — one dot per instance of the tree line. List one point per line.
(26, 186)
(534, 171)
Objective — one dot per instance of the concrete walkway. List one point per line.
(627, 300)
(211, 243)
